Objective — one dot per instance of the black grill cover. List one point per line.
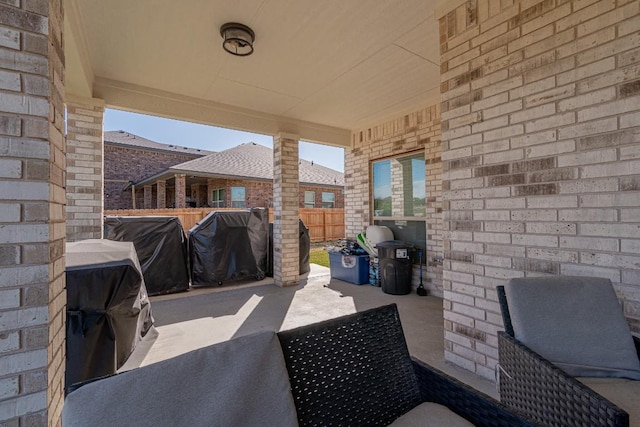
(305, 247)
(161, 247)
(229, 245)
(108, 310)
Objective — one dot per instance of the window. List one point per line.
(328, 200)
(237, 197)
(309, 199)
(399, 197)
(217, 198)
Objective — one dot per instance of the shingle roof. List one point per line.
(251, 160)
(127, 138)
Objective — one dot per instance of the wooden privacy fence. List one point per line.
(323, 224)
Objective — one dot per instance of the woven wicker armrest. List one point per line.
(532, 385)
(480, 409)
(356, 371)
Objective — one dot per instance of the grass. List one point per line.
(319, 256)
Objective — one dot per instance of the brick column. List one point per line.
(133, 196)
(85, 168)
(32, 235)
(181, 190)
(148, 196)
(286, 240)
(161, 194)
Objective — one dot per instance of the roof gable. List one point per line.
(255, 161)
(121, 137)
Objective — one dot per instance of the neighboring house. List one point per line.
(239, 177)
(129, 158)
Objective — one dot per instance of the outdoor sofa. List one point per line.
(350, 371)
(567, 353)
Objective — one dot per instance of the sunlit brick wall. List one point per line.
(541, 156)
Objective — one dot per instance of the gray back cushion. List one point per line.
(242, 382)
(574, 322)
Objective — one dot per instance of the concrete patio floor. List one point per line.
(203, 316)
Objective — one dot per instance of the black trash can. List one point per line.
(395, 264)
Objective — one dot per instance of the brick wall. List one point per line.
(32, 222)
(338, 195)
(199, 194)
(257, 193)
(124, 164)
(84, 169)
(541, 156)
(410, 133)
(260, 193)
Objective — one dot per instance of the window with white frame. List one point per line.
(217, 198)
(328, 200)
(309, 199)
(399, 197)
(238, 197)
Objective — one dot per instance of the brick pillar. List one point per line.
(85, 168)
(148, 197)
(181, 190)
(286, 240)
(133, 196)
(161, 194)
(32, 236)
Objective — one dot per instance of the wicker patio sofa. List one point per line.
(350, 371)
(533, 385)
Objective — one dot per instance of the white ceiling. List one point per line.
(320, 68)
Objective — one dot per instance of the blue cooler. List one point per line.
(349, 268)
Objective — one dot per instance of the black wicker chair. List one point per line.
(532, 385)
(356, 371)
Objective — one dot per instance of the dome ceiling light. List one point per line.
(237, 39)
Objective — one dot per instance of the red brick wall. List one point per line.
(257, 193)
(338, 195)
(260, 193)
(124, 164)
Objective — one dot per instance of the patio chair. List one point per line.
(355, 370)
(567, 352)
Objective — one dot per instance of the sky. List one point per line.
(211, 138)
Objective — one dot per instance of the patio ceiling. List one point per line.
(320, 68)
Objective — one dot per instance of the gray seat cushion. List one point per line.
(429, 414)
(574, 322)
(242, 382)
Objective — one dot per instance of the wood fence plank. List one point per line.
(323, 224)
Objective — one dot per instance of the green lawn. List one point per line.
(319, 256)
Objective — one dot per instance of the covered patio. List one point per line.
(523, 113)
(205, 316)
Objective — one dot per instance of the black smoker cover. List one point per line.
(108, 310)
(229, 245)
(161, 246)
(305, 247)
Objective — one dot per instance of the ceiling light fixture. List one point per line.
(237, 39)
